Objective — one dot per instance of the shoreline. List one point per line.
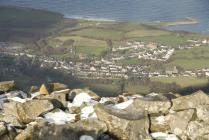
(186, 21)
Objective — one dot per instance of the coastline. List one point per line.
(89, 18)
(186, 21)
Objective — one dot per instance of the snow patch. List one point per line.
(86, 137)
(123, 105)
(104, 99)
(81, 98)
(161, 135)
(34, 95)
(60, 117)
(160, 119)
(17, 99)
(136, 96)
(153, 94)
(20, 100)
(87, 112)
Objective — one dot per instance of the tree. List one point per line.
(122, 85)
(110, 44)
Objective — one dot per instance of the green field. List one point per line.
(137, 88)
(170, 39)
(83, 45)
(195, 58)
(145, 33)
(92, 35)
(99, 33)
(184, 82)
(109, 89)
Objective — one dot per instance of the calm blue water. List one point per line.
(127, 10)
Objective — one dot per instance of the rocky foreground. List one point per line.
(54, 112)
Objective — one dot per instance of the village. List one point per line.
(109, 68)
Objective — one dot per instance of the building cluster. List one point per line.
(141, 50)
(108, 67)
(194, 43)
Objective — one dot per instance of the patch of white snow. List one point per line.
(104, 99)
(18, 99)
(160, 119)
(123, 105)
(59, 118)
(164, 136)
(81, 98)
(86, 137)
(88, 112)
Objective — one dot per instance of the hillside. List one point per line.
(105, 56)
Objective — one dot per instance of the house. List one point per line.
(171, 70)
(152, 46)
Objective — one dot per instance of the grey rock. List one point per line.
(28, 111)
(44, 131)
(203, 113)
(124, 125)
(3, 128)
(190, 101)
(179, 121)
(151, 105)
(6, 86)
(198, 130)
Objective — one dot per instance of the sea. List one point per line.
(127, 10)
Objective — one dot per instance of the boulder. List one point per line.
(58, 86)
(121, 99)
(34, 89)
(28, 111)
(10, 109)
(60, 96)
(91, 125)
(190, 101)
(9, 134)
(77, 131)
(28, 133)
(125, 125)
(203, 113)
(179, 121)
(198, 130)
(17, 93)
(6, 86)
(171, 96)
(44, 90)
(3, 129)
(151, 105)
(12, 120)
(159, 124)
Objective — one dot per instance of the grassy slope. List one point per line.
(25, 23)
(184, 82)
(137, 88)
(83, 45)
(90, 35)
(195, 58)
(145, 32)
(170, 39)
(99, 33)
